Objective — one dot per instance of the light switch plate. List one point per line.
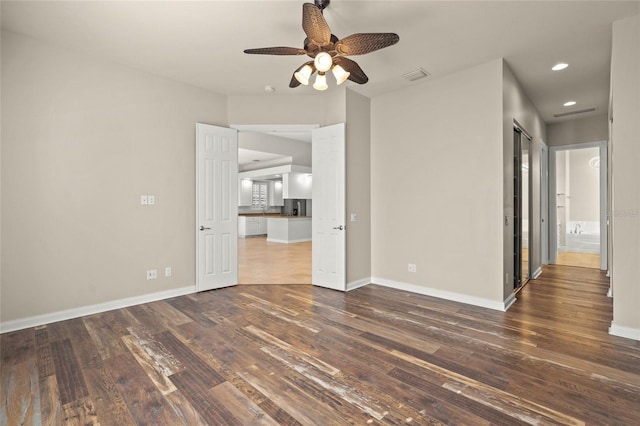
(144, 200)
(354, 217)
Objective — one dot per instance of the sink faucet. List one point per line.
(298, 204)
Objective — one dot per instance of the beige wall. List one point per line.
(358, 156)
(82, 139)
(315, 108)
(625, 147)
(436, 179)
(277, 109)
(517, 106)
(580, 130)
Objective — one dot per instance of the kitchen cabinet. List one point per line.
(275, 194)
(245, 192)
(296, 185)
(252, 225)
(262, 226)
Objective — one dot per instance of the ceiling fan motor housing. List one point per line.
(322, 4)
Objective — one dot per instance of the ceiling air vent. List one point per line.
(575, 112)
(415, 74)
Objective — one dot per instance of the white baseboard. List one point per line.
(358, 283)
(442, 294)
(536, 273)
(37, 320)
(510, 300)
(610, 291)
(628, 332)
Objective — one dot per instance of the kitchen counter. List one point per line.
(260, 214)
(288, 229)
(272, 215)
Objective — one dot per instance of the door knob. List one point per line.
(202, 228)
(339, 228)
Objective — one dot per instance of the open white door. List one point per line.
(328, 221)
(216, 206)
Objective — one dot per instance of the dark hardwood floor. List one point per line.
(297, 354)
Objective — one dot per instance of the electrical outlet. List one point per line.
(151, 199)
(144, 200)
(152, 274)
(167, 271)
(412, 267)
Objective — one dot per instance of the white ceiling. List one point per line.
(202, 43)
(248, 156)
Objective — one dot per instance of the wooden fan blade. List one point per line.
(314, 25)
(276, 51)
(359, 44)
(356, 73)
(294, 81)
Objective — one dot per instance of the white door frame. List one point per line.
(544, 203)
(553, 217)
(304, 133)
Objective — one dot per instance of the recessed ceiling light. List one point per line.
(560, 66)
(570, 103)
(269, 89)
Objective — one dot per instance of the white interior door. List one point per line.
(328, 220)
(216, 206)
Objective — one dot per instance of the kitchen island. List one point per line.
(289, 229)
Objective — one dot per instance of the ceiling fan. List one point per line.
(328, 52)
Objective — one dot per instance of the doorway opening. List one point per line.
(217, 201)
(274, 222)
(521, 207)
(578, 231)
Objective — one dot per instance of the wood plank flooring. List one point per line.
(301, 355)
(264, 262)
(585, 260)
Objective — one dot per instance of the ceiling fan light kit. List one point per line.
(321, 82)
(304, 74)
(327, 51)
(340, 74)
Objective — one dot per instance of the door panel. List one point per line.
(329, 207)
(217, 207)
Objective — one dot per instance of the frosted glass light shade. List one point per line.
(321, 82)
(323, 61)
(340, 74)
(304, 74)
